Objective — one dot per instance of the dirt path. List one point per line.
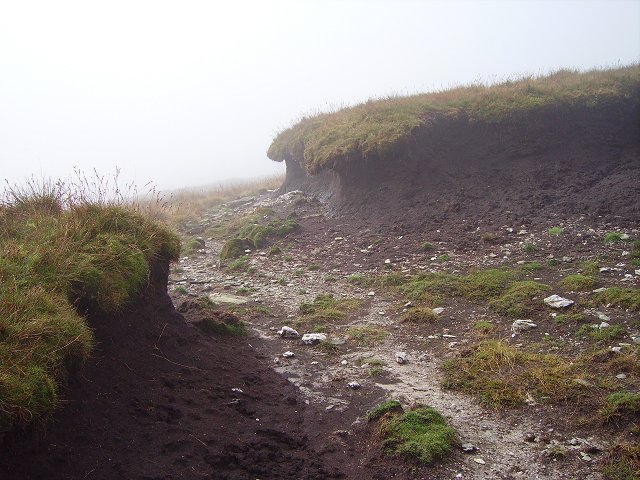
(321, 259)
(162, 400)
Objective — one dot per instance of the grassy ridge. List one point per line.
(378, 126)
(57, 255)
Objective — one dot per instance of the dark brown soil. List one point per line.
(461, 175)
(156, 402)
(157, 399)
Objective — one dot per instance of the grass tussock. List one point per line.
(419, 315)
(325, 310)
(61, 253)
(366, 336)
(578, 282)
(503, 376)
(378, 127)
(383, 409)
(622, 462)
(620, 297)
(619, 403)
(253, 231)
(502, 289)
(421, 433)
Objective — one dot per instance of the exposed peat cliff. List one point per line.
(559, 159)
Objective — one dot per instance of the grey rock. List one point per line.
(468, 447)
(401, 357)
(288, 332)
(519, 326)
(313, 338)
(556, 301)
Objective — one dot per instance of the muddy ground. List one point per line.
(162, 399)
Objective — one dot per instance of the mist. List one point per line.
(190, 93)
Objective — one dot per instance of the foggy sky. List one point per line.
(186, 93)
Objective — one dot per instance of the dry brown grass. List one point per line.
(377, 127)
(185, 205)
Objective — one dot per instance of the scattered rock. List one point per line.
(599, 290)
(313, 338)
(237, 390)
(288, 354)
(401, 357)
(371, 293)
(520, 326)
(479, 460)
(468, 447)
(585, 456)
(288, 332)
(353, 385)
(556, 301)
(621, 376)
(343, 362)
(387, 261)
(438, 310)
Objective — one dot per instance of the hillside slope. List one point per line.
(562, 145)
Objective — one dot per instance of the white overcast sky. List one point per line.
(185, 93)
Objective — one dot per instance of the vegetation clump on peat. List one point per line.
(253, 231)
(378, 127)
(421, 433)
(61, 256)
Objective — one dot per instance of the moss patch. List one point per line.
(421, 433)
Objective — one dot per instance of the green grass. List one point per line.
(531, 267)
(192, 245)
(529, 248)
(620, 297)
(618, 403)
(420, 315)
(382, 409)
(613, 237)
(253, 231)
(443, 258)
(622, 462)
(484, 327)
(378, 128)
(501, 375)
(421, 433)
(597, 334)
(214, 327)
(325, 310)
(358, 279)
(578, 282)
(564, 318)
(426, 246)
(590, 267)
(501, 288)
(556, 231)
(366, 336)
(62, 255)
